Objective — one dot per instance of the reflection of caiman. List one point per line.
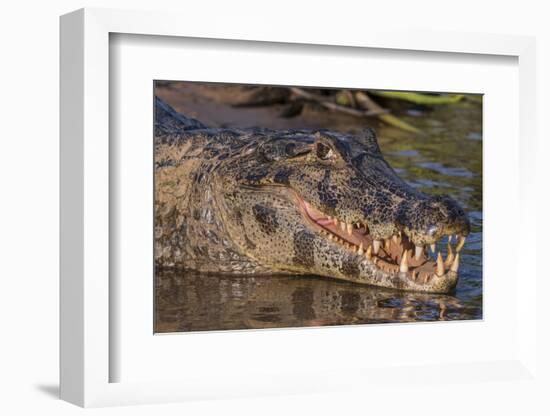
(193, 301)
(257, 201)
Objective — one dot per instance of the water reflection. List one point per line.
(188, 301)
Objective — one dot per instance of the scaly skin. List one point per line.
(257, 201)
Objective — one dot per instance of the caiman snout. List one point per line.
(425, 222)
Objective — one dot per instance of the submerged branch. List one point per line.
(337, 107)
(364, 101)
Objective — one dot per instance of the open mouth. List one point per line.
(394, 255)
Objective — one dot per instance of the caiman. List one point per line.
(304, 202)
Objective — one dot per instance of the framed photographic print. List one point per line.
(273, 214)
(275, 207)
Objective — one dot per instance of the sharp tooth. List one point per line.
(330, 237)
(395, 240)
(387, 245)
(376, 246)
(461, 241)
(375, 260)
(404, 266)
(343, 226)
(360, 250)
(418, 250)
(454, 266)
(440, 269)
(450, 238)
(425, 276)
(368, 254)
(413, 275)
(450, 256)
(350, 228)
(335, 221)
(432, 247)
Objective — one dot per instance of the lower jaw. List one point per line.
(372, 275)
(355, 268)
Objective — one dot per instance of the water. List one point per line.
(446, 159)
(194, 302)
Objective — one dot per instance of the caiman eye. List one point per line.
(325, 152)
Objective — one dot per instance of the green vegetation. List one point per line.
(418, 98)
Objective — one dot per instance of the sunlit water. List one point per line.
(446, 159)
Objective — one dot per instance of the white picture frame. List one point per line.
(86, 353)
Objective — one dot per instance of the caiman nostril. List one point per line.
(432, 230)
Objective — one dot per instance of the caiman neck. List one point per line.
(190, 232)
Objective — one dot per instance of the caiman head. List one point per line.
(328, 204)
